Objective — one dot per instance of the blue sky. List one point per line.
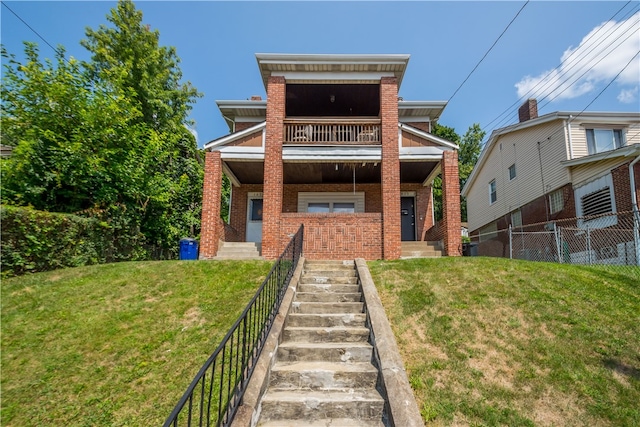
(217, 42)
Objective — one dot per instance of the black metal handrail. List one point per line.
(214, 395)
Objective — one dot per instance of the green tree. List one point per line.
(449, 134)
(470, 147)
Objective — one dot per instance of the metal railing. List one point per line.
(214, 395)
(608, 240)
(332, 131)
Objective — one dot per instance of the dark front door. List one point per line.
(408, 218)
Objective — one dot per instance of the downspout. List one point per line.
(634, 204)
(567, 124)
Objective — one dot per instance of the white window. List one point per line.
(600, 140)
(594, 199)
(512, 172)
(331, 202)
(556, 201)
(493, 195)
(516, 218)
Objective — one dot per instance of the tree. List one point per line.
(449, 134)
(470, 147)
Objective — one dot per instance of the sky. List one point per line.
(570, 56)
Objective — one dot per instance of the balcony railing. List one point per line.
(332, 131)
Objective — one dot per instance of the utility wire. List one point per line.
(487, 53)
(599, 33)
(58, 51)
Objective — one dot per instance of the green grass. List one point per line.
(114, 344)
(491, 341)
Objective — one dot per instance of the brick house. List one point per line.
(554, 167)
(332, 147)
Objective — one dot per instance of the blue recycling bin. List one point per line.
(188, 248)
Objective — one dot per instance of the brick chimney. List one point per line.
(256, 98)
(528, 110)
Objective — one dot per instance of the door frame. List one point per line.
(252, 224)
(409, 195)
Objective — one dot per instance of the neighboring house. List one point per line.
(557, 166)
(334, 148)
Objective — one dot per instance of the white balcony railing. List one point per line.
(332, 131)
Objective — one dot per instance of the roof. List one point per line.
(626, 151)
(361, 67)
(588, 117)
(250, 109)
(418, 110)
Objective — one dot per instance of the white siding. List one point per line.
(583, 173)
(579, 135)
(519, 147)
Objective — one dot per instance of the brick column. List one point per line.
(451, 204)
(390, 169)
(211, 201)
(273, 175)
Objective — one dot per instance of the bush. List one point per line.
(34, 241)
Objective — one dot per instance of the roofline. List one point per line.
(312, 58)
(629, 150)
(428, 136)
(421, 104)
(233, 136)
(243, 103)
(557, 115)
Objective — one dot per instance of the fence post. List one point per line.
(636, 234)
(510, 243)
(589, 244)
(556, 234)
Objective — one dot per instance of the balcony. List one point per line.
(332, 131)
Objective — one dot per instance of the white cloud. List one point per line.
(600, 56)
(627, 96)
(193, 131)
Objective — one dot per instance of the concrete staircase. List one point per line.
(237, 251)
(323, 375)
(421, 250)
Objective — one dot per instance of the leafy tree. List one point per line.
(470, 147)
(449, 134)
(107, 137)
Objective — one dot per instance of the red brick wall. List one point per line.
(273, 170)
(622, 185)
(390, 168)
(211, 198)
(451, 204)
(336, 236)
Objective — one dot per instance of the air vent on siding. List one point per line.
(596, 203)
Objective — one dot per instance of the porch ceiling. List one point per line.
(326, 173)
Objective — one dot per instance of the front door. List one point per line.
(408, 218)
(254, 218)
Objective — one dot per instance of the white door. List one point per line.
(254, 218)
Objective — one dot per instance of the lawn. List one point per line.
(114, 344)
(485, 341)
(497, 342)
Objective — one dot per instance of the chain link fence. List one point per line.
(612, 240)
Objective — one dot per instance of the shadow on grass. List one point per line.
(622, 369)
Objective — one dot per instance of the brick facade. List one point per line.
(272, 205)
(390, 168)
(211, 203)
(622, 186)
(451, 204)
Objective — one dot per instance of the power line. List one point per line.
(487, 53)
(599, 34)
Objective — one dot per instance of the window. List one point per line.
(512, 172)
(516, 218)
(493, 196)
(256, 209)
(600, 140)
(556, 201)
(326, 202)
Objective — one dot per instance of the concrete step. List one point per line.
(326, 307)
(323, 375)
(420, 245)
(326, 422)
(326, 266)
(326, 320)
(329, 262)
(328, 274)
(328, 280)
(328, 297)
(333, 334)
(237, 258)
(328, 287)
(326, 352)
(320, 404)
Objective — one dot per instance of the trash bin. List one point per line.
(188, 248)
(470, 249)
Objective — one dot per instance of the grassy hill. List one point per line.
(497, 342)
(485, 341)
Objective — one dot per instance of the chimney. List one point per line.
(256, 98)
(528, 110)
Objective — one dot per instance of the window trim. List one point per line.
(357, 198)
(493, 193)
(592, 142)
(516, 214)
(559, 197)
